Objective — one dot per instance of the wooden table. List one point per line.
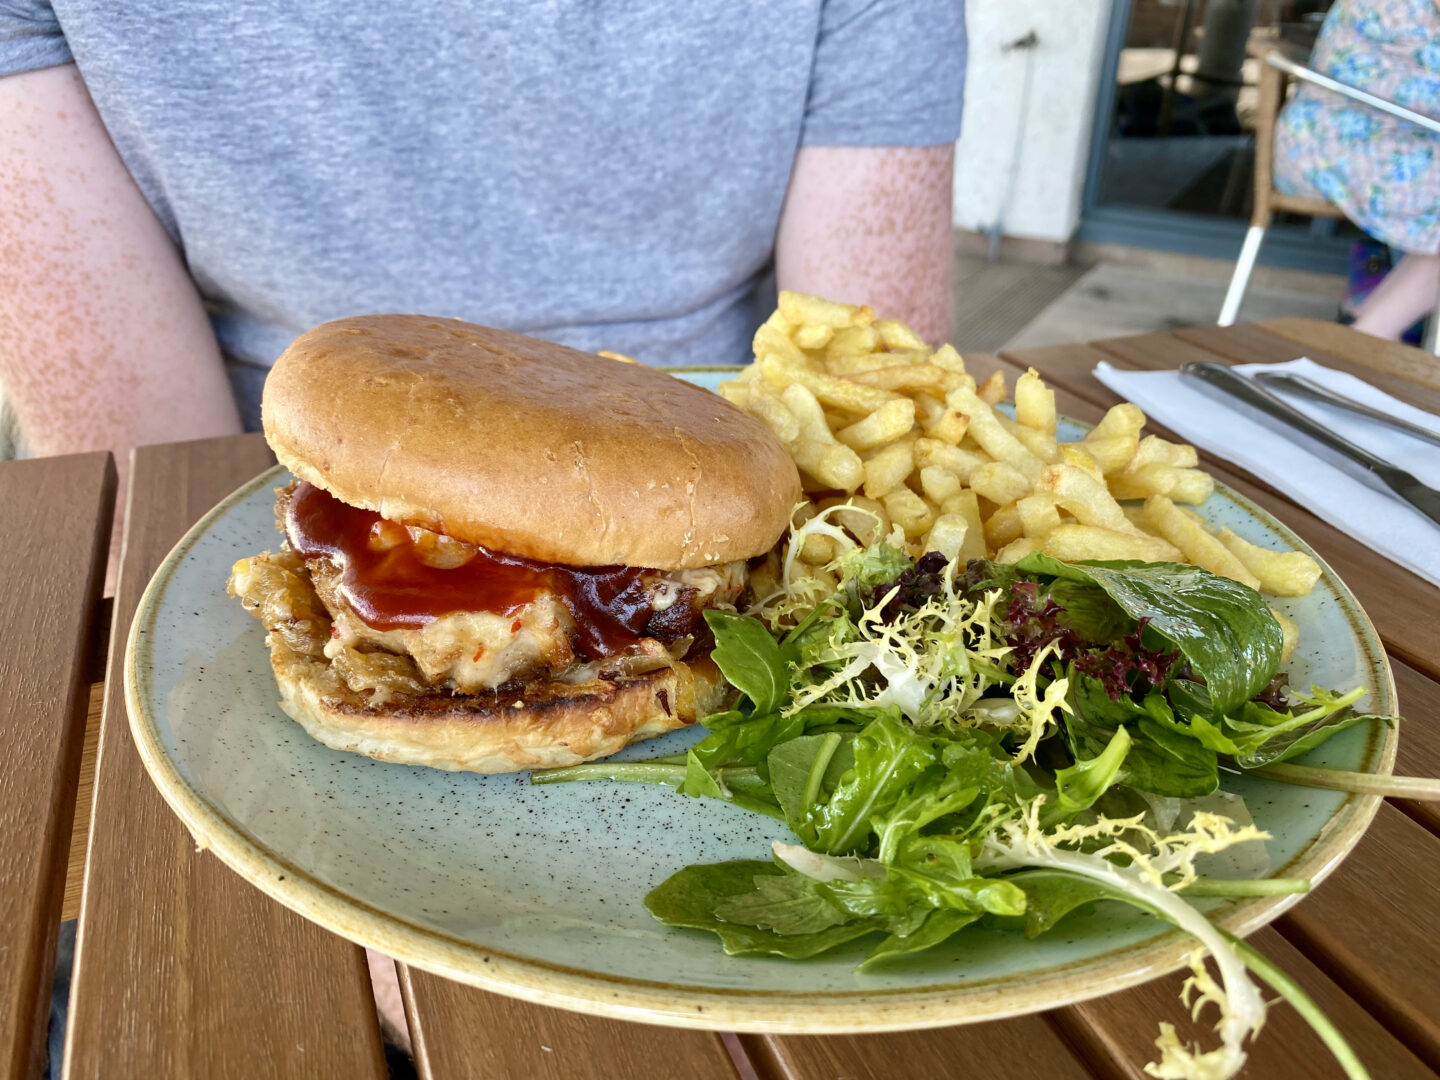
(184, 970)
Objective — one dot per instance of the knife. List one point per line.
(1404, 484)
(1313, 390)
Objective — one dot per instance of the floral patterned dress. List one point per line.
(1382, 171)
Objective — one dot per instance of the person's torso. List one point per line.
(608, 176)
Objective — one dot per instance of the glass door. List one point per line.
(1173, 152)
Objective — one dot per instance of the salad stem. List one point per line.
(1246, 886)
(642, 772)
(1304, 1004)
(1393, 787)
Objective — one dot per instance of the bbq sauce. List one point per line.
(394, 589)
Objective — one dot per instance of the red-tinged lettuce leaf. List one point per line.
(1223, 628)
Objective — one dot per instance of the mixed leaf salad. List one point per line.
(993, 743)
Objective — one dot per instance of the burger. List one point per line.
(498, 551)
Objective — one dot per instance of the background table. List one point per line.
(184, 970)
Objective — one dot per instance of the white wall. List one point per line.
(1054, 133)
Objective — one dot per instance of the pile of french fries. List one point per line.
(899, 438)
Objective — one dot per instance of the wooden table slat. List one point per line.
(1122, 1027)
(182, 968)
(1025, 1046)
(84, 797)
(460, 1032)
(1419, 753)
(1371, 927)
(50, 578)
(1375, 354)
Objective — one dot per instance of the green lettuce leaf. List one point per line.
(1223, 628)
(692, 896)
(750, 659)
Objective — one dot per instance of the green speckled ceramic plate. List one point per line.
(536, 892)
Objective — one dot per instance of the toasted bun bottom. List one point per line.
(542, 726)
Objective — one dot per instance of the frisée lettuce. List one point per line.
(987, 745)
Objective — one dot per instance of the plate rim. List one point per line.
(728, 1009)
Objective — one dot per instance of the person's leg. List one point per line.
(1407, 294)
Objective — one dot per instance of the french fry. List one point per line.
(894, 334)
(1289, 636)
(959, 461)
(1074, 543)
(836, 467)
(950, 426)
(736, 392)
(764, 403)
(909, 511)
(939, 483)
(1080, 457)
(852, 341)
(849, 365)
(1002, 526)
(992, 390)
(1111, 452)
(1017, 549)
(967, 506)
(947, 535)
(1038, 515)
(772, 340)
(1281, 573)
(888, 468)
(1143, 482)
(864, 405)
(1085, 498)
(1038, 443)
(999, 482)
(803, 309)
(814, 337)
(1153, 450)
(1119, 420)
(910, 377)
(1035, 404)
(947, 357)
(889, 422)
(991, 435)
(1197, 545)
(865, 519)
(1192, 486)
(842, 393)
(817, 549)
(807, 412)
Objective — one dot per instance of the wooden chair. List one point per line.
(1276, 70)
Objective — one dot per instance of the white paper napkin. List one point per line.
(1283, 458)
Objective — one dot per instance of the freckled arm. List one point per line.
(104, 342)
(868, 224)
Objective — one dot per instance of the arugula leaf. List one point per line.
(749, 658)
(939, 925)
(1165, 756)
(889, 756)
(1082, 783)
(1051, 895)
(698, 782)
(691, 897)
(788, 903)
(924, 803)
(1223, 628)
(1263, 736)
(804, 770)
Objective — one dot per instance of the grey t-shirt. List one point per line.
(602, 173)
